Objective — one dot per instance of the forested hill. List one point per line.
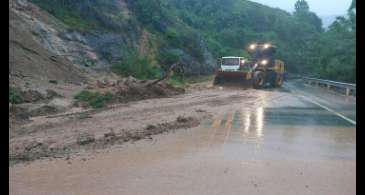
(143, 37)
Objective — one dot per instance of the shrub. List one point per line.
(14, 96)
(88, 62)
(94, 99)
(173, 37)
(175, 81)
(136, 66)
(168, 57)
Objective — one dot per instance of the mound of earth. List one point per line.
(132, 89)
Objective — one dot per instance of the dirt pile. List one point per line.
(111, 137)
(181, 122)
(31, 103)
(132, 89)
(33, 96)
(28, 151)
(17, 115)
(21, 114)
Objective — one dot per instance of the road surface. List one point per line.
(296, 140)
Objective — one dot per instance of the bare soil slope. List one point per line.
(27, 58)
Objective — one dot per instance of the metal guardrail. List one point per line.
(350, 88)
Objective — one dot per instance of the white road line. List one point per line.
(329, 109)
(295, 92)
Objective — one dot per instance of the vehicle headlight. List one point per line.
(266, 46)
(253, 46)
(243, 61)
(264, 62)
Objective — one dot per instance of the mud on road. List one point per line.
(62, 135)
(268, 141)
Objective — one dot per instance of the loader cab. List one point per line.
(232, 63)
(262, 54)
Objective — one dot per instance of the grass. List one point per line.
(14, 96)
(65, 13)
(94, 99)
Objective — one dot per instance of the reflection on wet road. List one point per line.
(285, 133)
(278, 144)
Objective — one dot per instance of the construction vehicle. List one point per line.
(261, 69)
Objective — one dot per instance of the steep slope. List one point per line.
(28, 58)
(115, 30)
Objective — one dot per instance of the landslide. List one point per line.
(27, 58)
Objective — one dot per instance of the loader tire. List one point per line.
(258, 80)
(279, 80)
(218, 80)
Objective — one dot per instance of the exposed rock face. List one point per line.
(50, 33)
(114, 33)
(29, 57)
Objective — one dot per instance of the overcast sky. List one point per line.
(320, 7)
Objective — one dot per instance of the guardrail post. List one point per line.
(348, 90)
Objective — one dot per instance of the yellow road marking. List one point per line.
(229, 121)
(216, 123)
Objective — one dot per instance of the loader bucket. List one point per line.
(224, 77)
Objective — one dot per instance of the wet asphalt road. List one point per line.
(280, 144)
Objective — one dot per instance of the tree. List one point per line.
(337, 50)
(301, 6)
(305, 16)
(353, 5)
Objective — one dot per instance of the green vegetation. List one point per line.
(336, 50)
(185, 30)
(177, 82)
(228, 26)
(136, 66)
(14, 96)
(63, 10)
(88, 62)
(94, 99)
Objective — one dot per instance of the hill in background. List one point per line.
(143, 38)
